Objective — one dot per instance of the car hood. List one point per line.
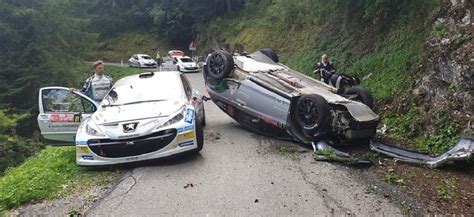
(117, 114)
(145, 117)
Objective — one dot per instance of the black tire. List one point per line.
(360, 95)
(203, 121)
(313, 114)
(199, 137)
(270, 54)
(219, 65)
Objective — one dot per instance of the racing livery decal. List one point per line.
(189, 116)
(56, 117)
(184, 144)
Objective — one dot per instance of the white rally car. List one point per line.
(145, 116)
(141, 61)
(186, 64)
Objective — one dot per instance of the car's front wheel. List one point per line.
(313, 114)
(219, 65)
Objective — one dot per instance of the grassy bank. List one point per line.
(53, 173)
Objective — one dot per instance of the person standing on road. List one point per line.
(158, 58)
(97, 85)
(325, 69)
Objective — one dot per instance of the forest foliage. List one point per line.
(44, 43)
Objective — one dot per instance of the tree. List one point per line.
(40, 42)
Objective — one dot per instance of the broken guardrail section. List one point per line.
(463, 150)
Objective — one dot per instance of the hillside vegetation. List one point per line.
(381, 41)
(120, 48)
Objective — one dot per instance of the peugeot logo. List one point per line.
(130, 127)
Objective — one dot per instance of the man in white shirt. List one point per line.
(97, 85)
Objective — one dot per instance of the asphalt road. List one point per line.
(239, 173)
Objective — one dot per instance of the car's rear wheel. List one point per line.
(360, 95)
(312, 114)
(270, 54)
(219, 65)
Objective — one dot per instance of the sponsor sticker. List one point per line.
(56, 117)
(77, 118)
(57, 125)
(79, 142)
(87, 157)
(127, 136)
(82, 150)
(186, 136)
(189, 116)
(154, 121)
(131, 158)
(184, 144)
(230, 110)
(186, 128)
(268, 120)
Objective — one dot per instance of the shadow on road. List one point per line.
(167, 161)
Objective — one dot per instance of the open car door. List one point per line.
(61, 112)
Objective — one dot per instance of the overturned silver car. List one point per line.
(270, 98)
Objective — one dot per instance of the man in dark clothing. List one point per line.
(325, 69)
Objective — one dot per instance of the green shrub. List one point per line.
(14, 149)
(404, 125)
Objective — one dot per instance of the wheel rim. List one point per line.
(216, 65)
(307, 114)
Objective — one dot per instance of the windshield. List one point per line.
(186, 60)
(146, 57)
(144, 90)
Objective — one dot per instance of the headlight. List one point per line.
(175, 119)
(92, 130)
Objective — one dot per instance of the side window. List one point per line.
(58, 100)
(88, 106)
(187, 87)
